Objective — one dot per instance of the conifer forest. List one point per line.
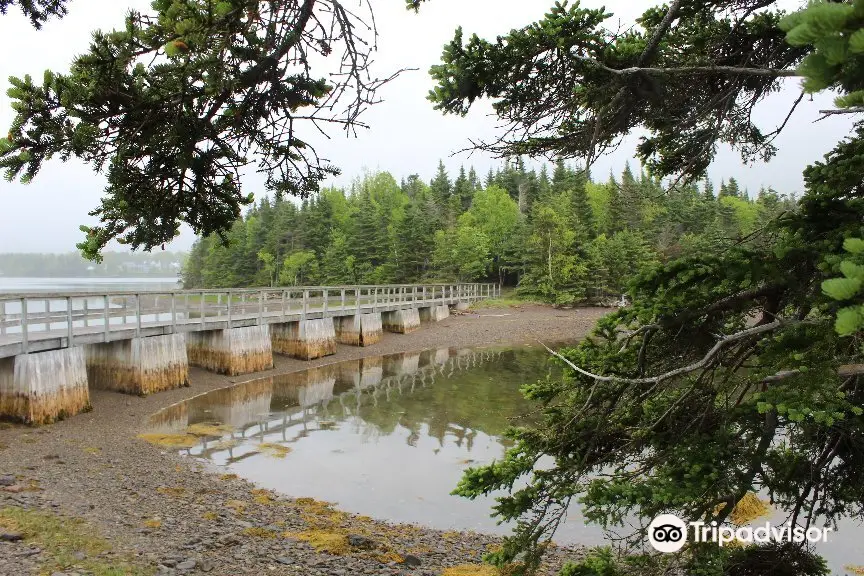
(556, 234)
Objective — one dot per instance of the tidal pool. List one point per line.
(390, 436)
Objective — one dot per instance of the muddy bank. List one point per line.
(156, 512)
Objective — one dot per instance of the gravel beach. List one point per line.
(85, 495)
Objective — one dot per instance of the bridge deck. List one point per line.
(38, 322)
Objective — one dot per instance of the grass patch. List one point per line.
(92, 450)
(323, 541)
(173, 441)
(499, 303)
(209, 429)
(238, 506)
(857, 570)
(749, 508)
(262, 496)
(274, 450)
(258, 532)
(210, 515)
(60, 538)
(228, 477)
(471, 570)
(153, 523)
(168, 491)
(328, 530)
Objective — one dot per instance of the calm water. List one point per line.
(390, 437)
(28, 285)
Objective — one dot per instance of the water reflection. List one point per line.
(390, 437)
(384, 436)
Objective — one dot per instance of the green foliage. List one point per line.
(735, 368)
(174, 104)
(570, 87)
(38, 11)
(835, 35)
(850, 318)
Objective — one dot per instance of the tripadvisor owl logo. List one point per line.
(667, 533)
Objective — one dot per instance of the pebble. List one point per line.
(186, 565)
(360, 542)
(411, 561)
(10, 536)
(7, 480)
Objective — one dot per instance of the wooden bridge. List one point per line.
(54, 346)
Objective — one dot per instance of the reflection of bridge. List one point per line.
(53, 346)
(301, 397)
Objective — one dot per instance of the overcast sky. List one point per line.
(407, 136)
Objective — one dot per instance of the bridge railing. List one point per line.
(24, 317)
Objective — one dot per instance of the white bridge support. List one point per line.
(139, 366)
(434, 313)
(232, 351)
(401, 321)
(53, 346)
(305, 339)
(44, 387)
(359, 329)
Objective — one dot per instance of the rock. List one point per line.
(79, 556)
(360, 542)
(411, 561)
(7, 480)
(10, 536)
(15, 488)
(205, 566)
(187, 565)
(169, 562)
(283, 560)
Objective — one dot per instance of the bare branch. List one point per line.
(698, 71)
(712, 353)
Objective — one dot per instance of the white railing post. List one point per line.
(260, 307)
(173, 312)
(106, 317)
(24, 335)
(70, 332)
(137, 315)
(284, 294)
(326, 295)
(343, 299)
(86, 311)
(305, 304)
(229, 309)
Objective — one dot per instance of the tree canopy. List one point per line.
(38, 11)
(174, 105)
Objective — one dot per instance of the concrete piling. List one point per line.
(434, 313)
(401, 321)
(140, 365)
(44, 387)
(232, 351)
(305, 339)
(359, 330)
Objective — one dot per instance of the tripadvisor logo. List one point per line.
(668, 533)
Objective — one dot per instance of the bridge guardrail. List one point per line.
(25, 317)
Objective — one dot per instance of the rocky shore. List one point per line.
(86, 496)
